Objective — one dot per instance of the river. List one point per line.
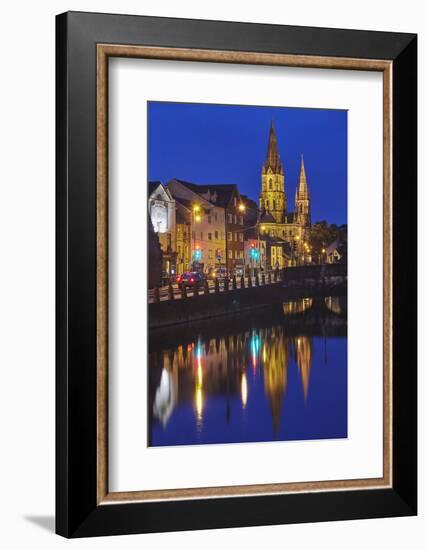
(276, 374)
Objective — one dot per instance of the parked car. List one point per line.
(192, 279)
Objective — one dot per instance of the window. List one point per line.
(210, 236)
(209, 219)
(229, 218)
(241, 220)
(235, 219)
(215, 216)
(241, 254)
(267, 204)
(210, 254)
(202, 235)
(270, 184)
(216, 235)
(222, 235)
(229, 236)
(273, 205)
(230, 254)
(234, 201)
(236, 237)
(241, 237)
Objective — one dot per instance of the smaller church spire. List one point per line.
(303, 199)
(302, 187)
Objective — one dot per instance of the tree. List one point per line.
(322, 234)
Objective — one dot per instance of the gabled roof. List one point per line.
(153, 187)
(185, 201)
(267, 217)
(338, 245)
(218, 194)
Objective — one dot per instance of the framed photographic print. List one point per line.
(236, 274)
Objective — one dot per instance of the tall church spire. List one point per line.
(272, 157)
(272, 199)
(303, 199)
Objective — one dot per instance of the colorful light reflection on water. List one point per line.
(254, 380)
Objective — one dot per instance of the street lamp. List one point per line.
(241, 207)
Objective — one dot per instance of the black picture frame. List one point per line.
(77, 512)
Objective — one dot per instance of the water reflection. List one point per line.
(336, 304)
(254, 379)
(298, 306)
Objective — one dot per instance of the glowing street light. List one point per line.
(241, 207)
(197, 218)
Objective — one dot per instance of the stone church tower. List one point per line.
(290, 230)
(303, 199)
(273, 199)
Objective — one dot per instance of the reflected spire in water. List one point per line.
(275, 365)
(304, 361)
(335, 304)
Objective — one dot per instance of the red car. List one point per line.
(192, 279)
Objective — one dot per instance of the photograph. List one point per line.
(247, 273)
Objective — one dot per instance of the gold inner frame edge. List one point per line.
(104, 51)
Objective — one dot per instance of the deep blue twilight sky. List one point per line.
(204, 144)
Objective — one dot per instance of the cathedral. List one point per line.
(275, 218)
